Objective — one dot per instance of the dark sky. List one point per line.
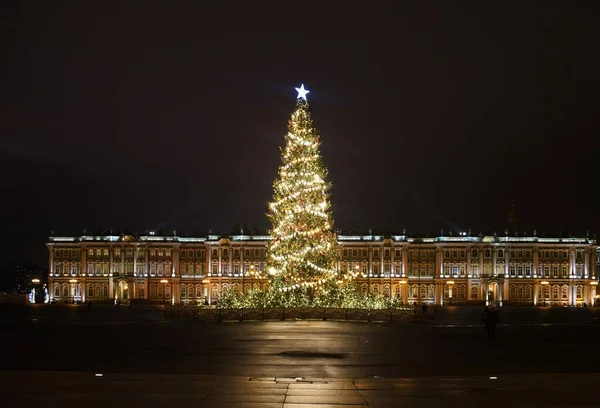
(144, 114)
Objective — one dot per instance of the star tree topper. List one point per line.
(302, 92)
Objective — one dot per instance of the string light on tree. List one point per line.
(301, 255)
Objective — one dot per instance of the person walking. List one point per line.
(490, 320)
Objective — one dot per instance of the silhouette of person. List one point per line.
(490, 319)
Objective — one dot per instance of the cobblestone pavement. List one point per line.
(60, 389)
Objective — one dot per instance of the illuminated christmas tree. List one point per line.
(301, 256)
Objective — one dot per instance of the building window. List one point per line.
(528, 270)
(473, 292)
(487, 269)
(446, 269)
(512, 270)
(90, 252)
(578, 270)
(463, 269)
(225, 253)
(564, 293)
(501, 253)
(564, 270)
(117, 252)
(555, 270)
(225, 269)
(474, 253)
(475, 270)
(454, 270)
(487, 253)
(520, 270)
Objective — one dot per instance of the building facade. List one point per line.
(442, 270)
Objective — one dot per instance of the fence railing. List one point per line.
(211, 314)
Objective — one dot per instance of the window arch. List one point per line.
(474, 292)
(462, 292)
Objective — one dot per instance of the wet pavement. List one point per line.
(52, 355)
(28, 389)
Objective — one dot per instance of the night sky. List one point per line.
(147, 115)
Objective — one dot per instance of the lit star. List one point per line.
(302, 92)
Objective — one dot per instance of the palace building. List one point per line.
(442, 270)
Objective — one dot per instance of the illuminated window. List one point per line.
(454, 270)
(117, 252)
(376, 268)
(236, 268)
(105, 252)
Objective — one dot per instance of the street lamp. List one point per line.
(164, 283)
(544, 284)
(35, 281)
